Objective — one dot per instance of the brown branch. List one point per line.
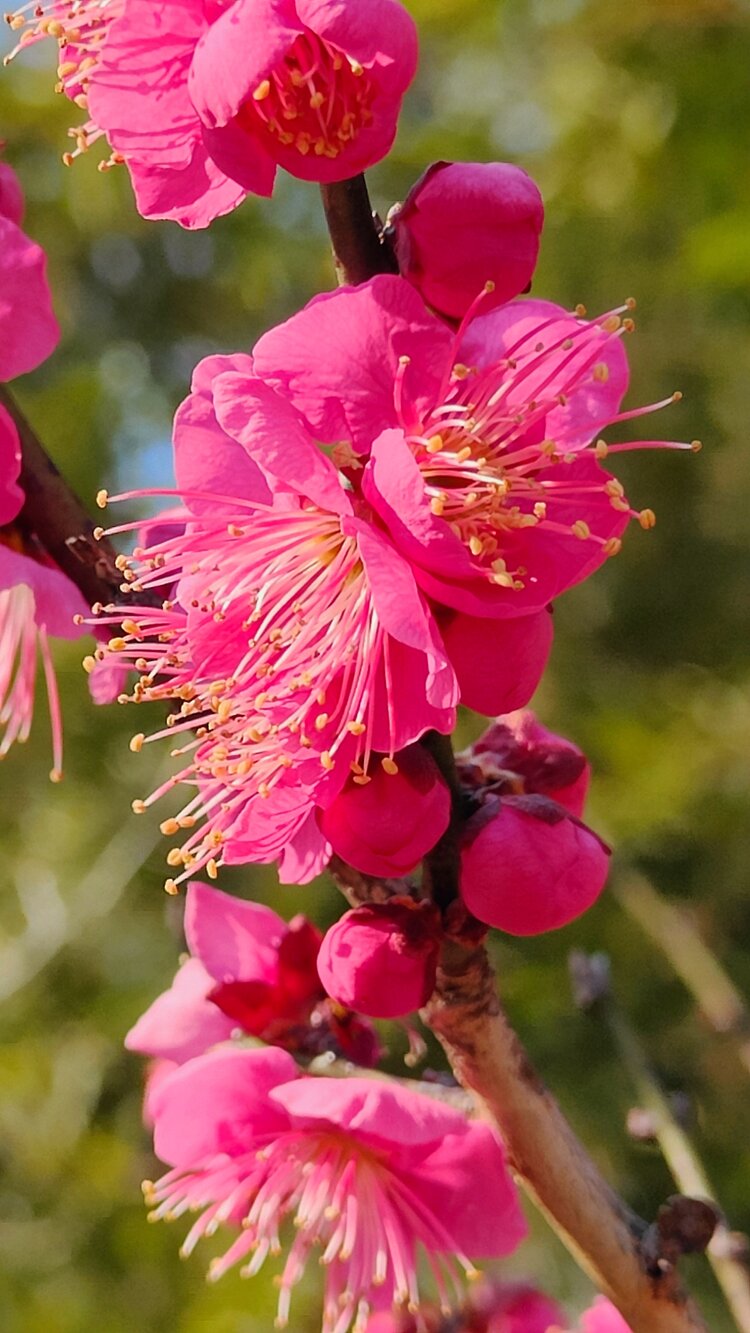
(603, 1235)
(55, 515)
(359, 252)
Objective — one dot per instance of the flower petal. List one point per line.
(234, 939)
(183, 1022)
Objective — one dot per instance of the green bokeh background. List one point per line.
(633, 118)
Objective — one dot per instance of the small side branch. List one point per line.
(53, 512)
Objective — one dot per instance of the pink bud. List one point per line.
(385, 826)
(514, 1307)
(465, 224)
(11, 195)
(528, 866)
(381, 959)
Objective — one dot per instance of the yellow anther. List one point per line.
(102, 498)
(89, 663)
(212, 869)
(262, 91)
(434, 444)
(460, 371)
(169, 827)
(647, 518)
(136, 742)
(613, 546)
(601, 372)
(174, 857)
(696, 446)
(356, 728)
(463, 454)
(327, 761)
(321, 721)
(476, 545)
(437, 505)
(55, 775)
(489, 287)
(611, 324)
(581, 530)
(171, 887)
(389, 766)
(601, 449)
(138, 807)
(361, 779)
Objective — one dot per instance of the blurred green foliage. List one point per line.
(633, 118)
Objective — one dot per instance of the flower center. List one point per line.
(315, 101)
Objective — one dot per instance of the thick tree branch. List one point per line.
(600, 1231)
(53, 512)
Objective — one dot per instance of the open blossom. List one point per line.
(386, 826)
(479, 451)
(381, 958)
(363, 1168)
(204, 99)
(465, 224)
(294, 638)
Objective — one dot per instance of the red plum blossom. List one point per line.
(381, 959)
(517, 755)
(362, 1166)
(204, 99)
(479, 450)
(464, 225)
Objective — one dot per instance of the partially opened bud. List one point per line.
(381, 959)
(528, 866)
(465, 224)
(517, 755)
(385, 823)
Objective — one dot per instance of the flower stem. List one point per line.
(358, 251)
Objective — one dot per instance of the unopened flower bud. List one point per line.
(528, 866)
(381, 959)
(466, 226)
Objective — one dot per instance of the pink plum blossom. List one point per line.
(514, 1307)
(381, 959)
(362, 1166)
(466, 224)
(527, 865)
(29, 331)
(204, 99)
(293, 638)
(479, 451)
(384, 824)
(517, 755)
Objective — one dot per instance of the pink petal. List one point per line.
(29, 332)
(236, 53)
(205, 457)
(193, 194)
(219, 1103)
(183, 1022)
(393, 484)
(234, 939)
(56, 599)
(138, 91)
(380, 34)
(490, 337)
(339, 357)
(380, 1113)
(107, 680)
(274, 436)
(11, 195)
(485, 1222)
(499, 663)
(11, 495)
(602, 1317)
(306, 855)
(242, 158)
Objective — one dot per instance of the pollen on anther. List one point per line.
(647, 518)
(171, 887)
(136, 742)
(389, 766)
(102, 498)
